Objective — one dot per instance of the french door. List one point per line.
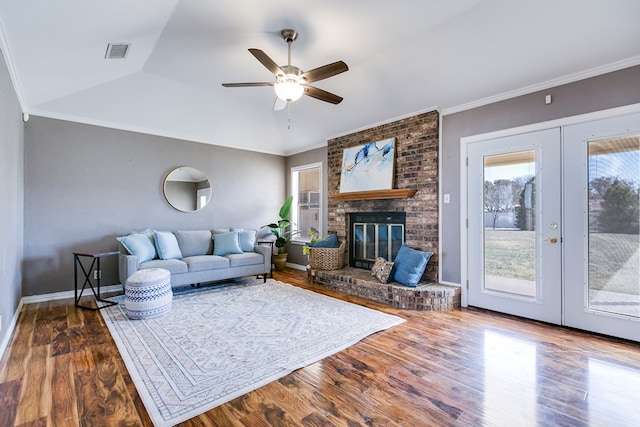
(514, 228)
(602, 251)
(553, 225)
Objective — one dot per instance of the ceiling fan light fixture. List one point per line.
(288, 89)
(291, 82)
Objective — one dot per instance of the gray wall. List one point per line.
(308, 157)
(85, 185)
(12, 197)
(594, 94)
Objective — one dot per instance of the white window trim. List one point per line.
(295, 191)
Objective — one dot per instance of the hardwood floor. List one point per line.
(466, 367)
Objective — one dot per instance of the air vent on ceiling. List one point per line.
(117, 50)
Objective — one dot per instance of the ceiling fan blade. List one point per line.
(279, 104)
(325, 71)
(322, 95)
(266, 61)
(247, 84)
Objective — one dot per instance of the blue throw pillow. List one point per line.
(247, 240)
(226, 243)
(331, 241)
(167, 245)
(409, 266)
(140, 245)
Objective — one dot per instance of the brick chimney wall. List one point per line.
(416, 167)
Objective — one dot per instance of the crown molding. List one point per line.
(13, 74)
(593, 72)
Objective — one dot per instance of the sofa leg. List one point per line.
(264, 280)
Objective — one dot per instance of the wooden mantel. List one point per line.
(398, 193)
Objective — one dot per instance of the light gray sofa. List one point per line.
(190, 256)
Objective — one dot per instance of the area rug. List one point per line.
(221, 342)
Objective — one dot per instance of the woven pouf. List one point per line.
(147, 293)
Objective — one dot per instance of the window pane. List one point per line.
(509, 232)
(306, 215)
(614, 217)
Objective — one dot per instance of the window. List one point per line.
(307, 201)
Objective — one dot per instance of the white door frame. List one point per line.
(464, 141)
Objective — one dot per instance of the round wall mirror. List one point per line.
(187, 189)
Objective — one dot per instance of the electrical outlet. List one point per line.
(97, 274)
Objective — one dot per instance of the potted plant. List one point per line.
(315, 236)
(283, 232)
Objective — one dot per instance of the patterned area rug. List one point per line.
(221, 342)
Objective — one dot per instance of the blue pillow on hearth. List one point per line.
(409, 266)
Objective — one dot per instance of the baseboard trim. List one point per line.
(65, 294)
(296, 266)
(12, 326)
(445, 282)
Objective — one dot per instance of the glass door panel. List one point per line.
(613, 283)
(509, 224)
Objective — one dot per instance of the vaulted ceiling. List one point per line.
(404, 57)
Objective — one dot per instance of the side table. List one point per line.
(270, 244)
(95, 262)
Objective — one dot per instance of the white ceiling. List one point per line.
(404, 57)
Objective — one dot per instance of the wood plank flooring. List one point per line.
(466, 367)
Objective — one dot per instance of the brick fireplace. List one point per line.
(416, 167)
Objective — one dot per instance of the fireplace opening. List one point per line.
(373, 235)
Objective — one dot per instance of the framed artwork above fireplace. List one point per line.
(368, 167)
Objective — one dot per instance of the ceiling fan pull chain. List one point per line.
(288, 115)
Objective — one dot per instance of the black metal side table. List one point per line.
(270, 244)
(95, 261)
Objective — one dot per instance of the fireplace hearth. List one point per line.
(373, 235)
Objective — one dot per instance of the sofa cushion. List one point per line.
(194, 242)
(226, 243)
(264, 233)
(247, 258)
(175, 266)
(140, 245)
(206, 262)
(247, 240)
(167, 245)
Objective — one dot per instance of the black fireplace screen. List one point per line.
(373, 235)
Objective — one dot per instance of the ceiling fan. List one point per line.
(291, 82)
